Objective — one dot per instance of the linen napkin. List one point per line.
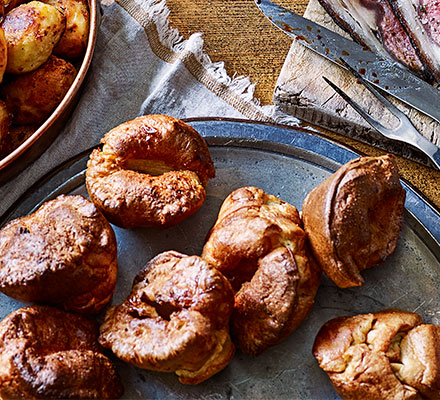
(142, 65)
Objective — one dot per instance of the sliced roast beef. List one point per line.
(373, 24)
(421, 19)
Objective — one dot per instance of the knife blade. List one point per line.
(387, 75)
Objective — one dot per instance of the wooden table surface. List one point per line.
(237, 33)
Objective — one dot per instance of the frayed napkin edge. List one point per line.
(156, 12)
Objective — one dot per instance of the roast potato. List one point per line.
(5, 121)
(33, 96)
(3, 53)
(73, 43)
(32, 31)
(15, 137)
(8, 5)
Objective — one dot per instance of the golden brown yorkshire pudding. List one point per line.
(258, 244)
(46, 353)
(385, 355)
(353, 218)
(64, 254)
(151, 171)
(175, 319)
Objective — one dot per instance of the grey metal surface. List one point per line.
(387, 75)
(288, 164)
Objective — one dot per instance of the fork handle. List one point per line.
(419, 141)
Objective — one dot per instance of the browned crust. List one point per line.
(15, 136)
(175, 319)
(3, 52)
(421, 360)
(353, 219)
(5, 122)
(32, 30)
(10, 4)
(151, 171)
(258, 243)
(31, 97)
(65, 254)
(266, 304)
(388, 354)
(47, 353)
(73, 42)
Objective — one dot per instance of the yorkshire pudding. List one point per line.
(63, 254)
(151, 171)
(258, 244)
(175, 319)
(353, 218)
(385, 355)
(46, 353)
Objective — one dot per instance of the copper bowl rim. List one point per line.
(70, 95)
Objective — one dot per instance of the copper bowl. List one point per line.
(30, 149)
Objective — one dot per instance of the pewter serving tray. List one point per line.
(287, 163)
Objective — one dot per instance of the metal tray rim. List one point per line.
(274, 137)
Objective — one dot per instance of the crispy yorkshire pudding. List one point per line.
(46, 353)
(175, 319)
(258, 244)
(353, 218)
(62, 254)
(151, 171)
(385, 355)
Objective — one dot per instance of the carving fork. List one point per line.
(404, 132)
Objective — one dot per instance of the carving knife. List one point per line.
(387, 75)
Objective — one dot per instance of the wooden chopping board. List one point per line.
(301, 91)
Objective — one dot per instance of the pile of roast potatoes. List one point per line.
(41, 43)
